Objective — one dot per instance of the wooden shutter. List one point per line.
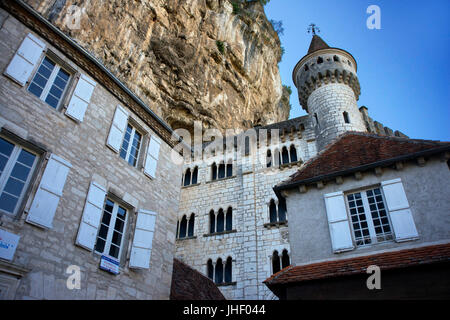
(340, 232)
(92, 214)
(118, 127)
(25, 59)
(80, 98)
(141, 248)
(399, 211)
(50, 190)
(152, 157)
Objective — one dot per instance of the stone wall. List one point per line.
(249, 191)
(46, 254)
(426, 192)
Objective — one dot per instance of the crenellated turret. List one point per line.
(328, 89)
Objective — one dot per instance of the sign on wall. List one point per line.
(8, 244)
(109, 264)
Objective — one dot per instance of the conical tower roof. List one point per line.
(317, 43)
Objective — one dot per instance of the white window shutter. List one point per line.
(80, 98)
(50, 190)
(399, 211)
(151, 160)
(92, 213)
(25, 59)
(338, 223)
(142, 242)
(118, 127)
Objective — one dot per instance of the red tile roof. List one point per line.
(361, 151)
(189, 284)
(358, 265)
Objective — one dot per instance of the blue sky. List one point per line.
(403, 68)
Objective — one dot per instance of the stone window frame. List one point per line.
(42, 155)
(215, 212)
(61, 64)
(134, 129)
(190, 225)
(211, 267)
(278, 249)
(278, 222)
(111, 227)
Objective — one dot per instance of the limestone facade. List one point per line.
(39, 268)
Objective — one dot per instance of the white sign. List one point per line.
(109, 264)
(8, 244)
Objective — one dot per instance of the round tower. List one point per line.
(328, 89)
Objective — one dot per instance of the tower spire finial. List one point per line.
(312, 28)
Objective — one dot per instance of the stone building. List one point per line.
(92, 180)
(88, 190)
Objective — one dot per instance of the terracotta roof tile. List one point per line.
(189, 284)
(357, 150)
(358, 265)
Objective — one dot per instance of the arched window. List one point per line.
(210, 268)
(187, 177)
(269, 158)
(346, 118)
(275, 262)
(220, 221)
(214, 171)
(191, 225)
(273, 211)
(229, 169)
(282, 209)
(183, 226)
(285, 155)
(212, 222)
(293, 153)
(219, 271)
(285, 261)
(229, 219)
(221, 170)
(247, 146)
(228, 271)
(195, 175)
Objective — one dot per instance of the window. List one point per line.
(50, 82)
(131, 145)
(183, 227)
(112, 228)
(229, 169)
(319, 60)
(335, 58)
(277, 214)
(16, 168)
(346, 118)
(221, 170)
(220, 272)
(277, 263)
(369, 219)
(214, 171)
(285, 155)
(191, 225)
(187, 177)
(293, 153)
(316, 118)
(222, 222)
(195, 175)
(269, 158)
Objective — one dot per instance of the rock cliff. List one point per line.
(186, 59)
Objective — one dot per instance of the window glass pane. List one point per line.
(8, 202)
(52, 101)
(14, 186)
(106, 218)
(100, 245)
(119, 225)
(26, 158)
(103, 233)
(20, 171)
(117, 238)
(121, 212)
(36, 90)
(114, 251)
(109, 205)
